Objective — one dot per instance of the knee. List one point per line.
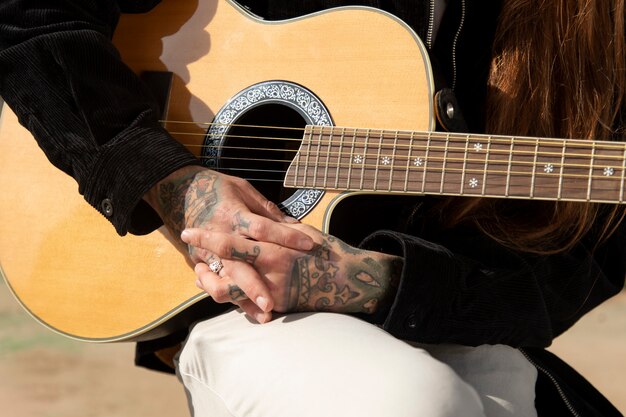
(416, 384)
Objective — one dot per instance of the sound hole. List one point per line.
(261, 155)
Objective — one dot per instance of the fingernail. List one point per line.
(262, 303)
(185, 234)
(289, 219)
(262, 317)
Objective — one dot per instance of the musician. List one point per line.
(454, 304)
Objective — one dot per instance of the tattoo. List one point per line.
(371, 305)
(332, 278)
(315, 285)
(236, 293)
(245, 256)
(367, 279)
(343, 245)
(188, 201)
(240, 223)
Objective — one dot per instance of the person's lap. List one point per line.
(312, 364)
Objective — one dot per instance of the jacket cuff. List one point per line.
(413, 313)
(124, 172)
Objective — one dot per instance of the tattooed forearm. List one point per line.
(330, 278)
(188, 200)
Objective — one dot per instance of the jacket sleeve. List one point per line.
(89, 113)
(470, 290)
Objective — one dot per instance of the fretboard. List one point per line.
(386, 161)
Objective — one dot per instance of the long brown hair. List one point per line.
(557, 71)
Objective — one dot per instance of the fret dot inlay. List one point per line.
(385, 160)
(478, 147)
(418, 162)
(548, 168)
(609, 171)
(473, 183)
(358, 159)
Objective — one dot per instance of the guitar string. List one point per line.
(442, 136)
(338, 155)
(377, 167)
(414, 146)
(402, 166)
(436, 181)
(357, 132)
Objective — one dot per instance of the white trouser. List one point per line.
(322, 364)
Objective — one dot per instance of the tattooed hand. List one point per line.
(332, 276)
(196, 197)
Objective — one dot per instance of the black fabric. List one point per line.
(55, 57)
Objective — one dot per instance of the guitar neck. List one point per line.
(384, 161)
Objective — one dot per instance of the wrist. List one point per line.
(176, 197)
(390, 272)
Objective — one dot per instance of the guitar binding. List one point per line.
(232, 142)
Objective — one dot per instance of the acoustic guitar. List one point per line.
(311, 110)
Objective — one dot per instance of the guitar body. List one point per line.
(350, 67)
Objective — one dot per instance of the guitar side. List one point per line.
(63, 261)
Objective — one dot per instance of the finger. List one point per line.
(246, 305)
(223, 245)
(239, 282)
(249, 283)
(253, 311)
(263, 229)
(260, 205)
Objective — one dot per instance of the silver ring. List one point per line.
(216, 266)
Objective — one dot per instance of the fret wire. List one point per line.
(443, 166)
(393, 159)
(351, 160)
(519, 153)
(449, 159)
(523, 173)
(560, 192)
(621, 188)
(517, 173)
(426, 162)
(467, 139)
(339, 153)
(522, 163)
(548, 142)
(317, 156)
(408, 164)
(593, 156)
(508, 177)
(367, 139)
(378, 156)
(534, 170)
(486, 165)
(330, 142)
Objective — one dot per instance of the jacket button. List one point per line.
(411, 322)
(107, 207)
